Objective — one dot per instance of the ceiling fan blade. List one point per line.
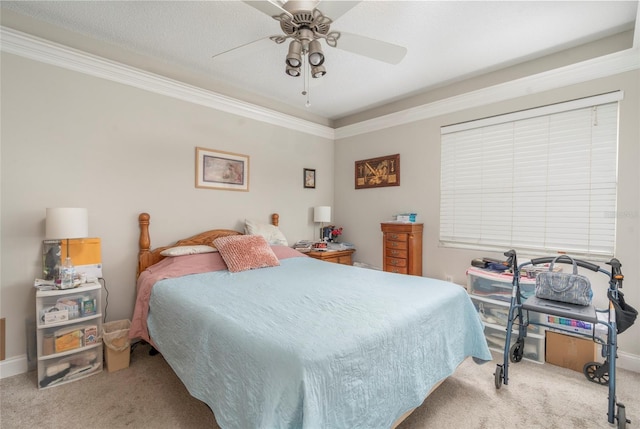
(269, 7)
(247, 50)
(372, 48)
(335, 9)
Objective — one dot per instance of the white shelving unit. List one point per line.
(69, 324)
(491, 294)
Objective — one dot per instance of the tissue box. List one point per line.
(406, 217)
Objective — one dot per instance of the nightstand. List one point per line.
(336, 256)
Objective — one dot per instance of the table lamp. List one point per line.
(65, 224)
(322, 214)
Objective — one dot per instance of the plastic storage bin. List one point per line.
(493, 285)
(533, 345)
(497, 313)
(77, 306)
(67, 368)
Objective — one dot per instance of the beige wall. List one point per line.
(419, 146)
(69, 139)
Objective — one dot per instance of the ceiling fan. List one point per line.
(306, 23)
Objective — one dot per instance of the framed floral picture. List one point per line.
(378, 172)
(221, 170)
(309, 178)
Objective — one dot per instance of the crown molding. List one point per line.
(38, 49)
(45, 51)
(607, 65)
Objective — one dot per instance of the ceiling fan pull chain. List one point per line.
(305, 71)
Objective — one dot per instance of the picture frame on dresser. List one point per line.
(221, 170)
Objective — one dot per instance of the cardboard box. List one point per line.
(68, 339)
(569, 351)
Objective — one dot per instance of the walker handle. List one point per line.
(512, 259)
(566, 260)
(616, 270)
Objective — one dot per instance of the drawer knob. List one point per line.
(394, 236)
(394, 244)
(394, 252)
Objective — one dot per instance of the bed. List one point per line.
(300, 343)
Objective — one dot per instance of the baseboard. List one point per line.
(628, 361)
(13, 366)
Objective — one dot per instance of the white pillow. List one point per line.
(188, 250)
(271, 233)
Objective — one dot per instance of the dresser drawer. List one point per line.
(396, 245)
(395, 236)
(396, 269)
(395, 262)
(345, 260)
(397, 253)
(344, 257)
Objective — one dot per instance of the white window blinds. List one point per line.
(542, 180)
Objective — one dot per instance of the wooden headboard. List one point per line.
(148, 257)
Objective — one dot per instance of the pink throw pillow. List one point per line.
(245, 252)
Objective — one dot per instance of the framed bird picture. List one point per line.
(378, 172)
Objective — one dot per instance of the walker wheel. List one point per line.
(622, 418)
(596, 373)
(517, 351)
(498, 375)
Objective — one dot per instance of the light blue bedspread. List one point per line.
(311, 344)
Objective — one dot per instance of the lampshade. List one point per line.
(294, 57)
(322, 214)
(318, 71)
(64, 223)
(293, 71)
(316, 57)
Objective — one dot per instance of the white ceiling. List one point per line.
(446, 41)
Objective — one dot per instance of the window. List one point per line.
(541, 180)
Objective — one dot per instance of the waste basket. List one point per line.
(115, 336)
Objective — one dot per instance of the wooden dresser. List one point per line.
(344, 257)
(402, 247)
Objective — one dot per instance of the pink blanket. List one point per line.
(171, 267)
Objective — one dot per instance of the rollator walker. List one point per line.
(616, 318)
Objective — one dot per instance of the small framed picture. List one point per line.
(221, 170)
(309, 178)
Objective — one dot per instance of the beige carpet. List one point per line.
(148, 394)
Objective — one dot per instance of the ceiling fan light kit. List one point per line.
(302, 22)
